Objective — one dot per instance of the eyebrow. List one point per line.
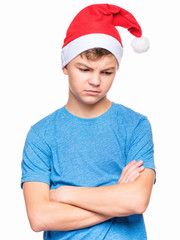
(79, 64)
(82, 65)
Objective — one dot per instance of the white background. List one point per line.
(32, 85)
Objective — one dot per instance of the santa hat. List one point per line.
(95, 27)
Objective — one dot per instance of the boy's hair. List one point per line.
(94, 54)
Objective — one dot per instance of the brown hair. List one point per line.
(94, 54)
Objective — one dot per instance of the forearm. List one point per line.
(55, 216)
(113, 200)
(116, 200)
(45, 214)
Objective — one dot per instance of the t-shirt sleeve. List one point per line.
(36, 159)
(141, 146)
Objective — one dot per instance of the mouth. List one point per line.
(91, 92)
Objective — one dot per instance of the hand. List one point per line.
(131, 172)
(56, 195)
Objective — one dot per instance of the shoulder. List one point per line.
(45, 126)
(128, 115)
(130, 121)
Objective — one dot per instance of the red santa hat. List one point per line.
(95, 27)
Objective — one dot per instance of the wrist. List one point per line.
(66, 194)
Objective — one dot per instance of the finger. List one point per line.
(133, 178)
(131, 167)
(127, 168)
(130, 170)
(135, 174)
(141, 169)
(125, 171)
(139, 163)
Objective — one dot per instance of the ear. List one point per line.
(65, 71)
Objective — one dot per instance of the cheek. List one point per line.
(74, 85)
(108, 84)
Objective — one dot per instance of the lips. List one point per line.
(91, 92)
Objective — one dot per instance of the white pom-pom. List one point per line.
(140, 45)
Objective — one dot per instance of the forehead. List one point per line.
(107, 61)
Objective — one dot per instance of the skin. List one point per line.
(61, 209)
(86, 75)
(115, 201)
(46, 211)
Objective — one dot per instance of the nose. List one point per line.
(95, 79)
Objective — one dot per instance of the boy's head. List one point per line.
(94, 27)
(91, 75)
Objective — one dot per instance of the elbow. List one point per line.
(35, 228)
(140, 209)
(36, 222)
(35, 225)
(140, 204)
(135, 205)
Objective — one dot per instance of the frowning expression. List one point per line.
(89, 81)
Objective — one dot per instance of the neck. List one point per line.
(84, 110)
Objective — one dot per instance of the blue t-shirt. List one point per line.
(63, 149)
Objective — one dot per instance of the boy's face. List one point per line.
(89, 81)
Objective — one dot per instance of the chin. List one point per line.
(91, 101)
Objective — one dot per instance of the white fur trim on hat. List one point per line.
(81, 44)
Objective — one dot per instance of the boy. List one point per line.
(88, 168)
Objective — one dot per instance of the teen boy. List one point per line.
(88, 169)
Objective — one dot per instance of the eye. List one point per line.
(107, 73)
(84, 69)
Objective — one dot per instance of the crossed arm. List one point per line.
(70, 208)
